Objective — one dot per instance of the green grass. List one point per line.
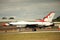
(30, 36)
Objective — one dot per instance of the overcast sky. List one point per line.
(29, 9)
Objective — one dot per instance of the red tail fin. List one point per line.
(48, 18)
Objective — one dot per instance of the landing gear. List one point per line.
(34, 29)
(32, 26)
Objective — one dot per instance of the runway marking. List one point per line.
(28, 32)
(39, 32)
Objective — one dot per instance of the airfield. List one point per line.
(30, 36)
(13, 33)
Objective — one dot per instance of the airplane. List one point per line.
(46, 21)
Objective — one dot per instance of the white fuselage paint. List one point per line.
(30, 23)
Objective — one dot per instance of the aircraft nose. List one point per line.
(6, 24)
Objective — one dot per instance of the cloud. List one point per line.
(28, 1)
(28, 8)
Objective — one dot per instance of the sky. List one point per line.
(28, 9)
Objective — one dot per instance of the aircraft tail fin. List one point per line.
(49, 17)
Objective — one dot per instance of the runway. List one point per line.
(29, 32)
(39, 32)
(36, 35)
